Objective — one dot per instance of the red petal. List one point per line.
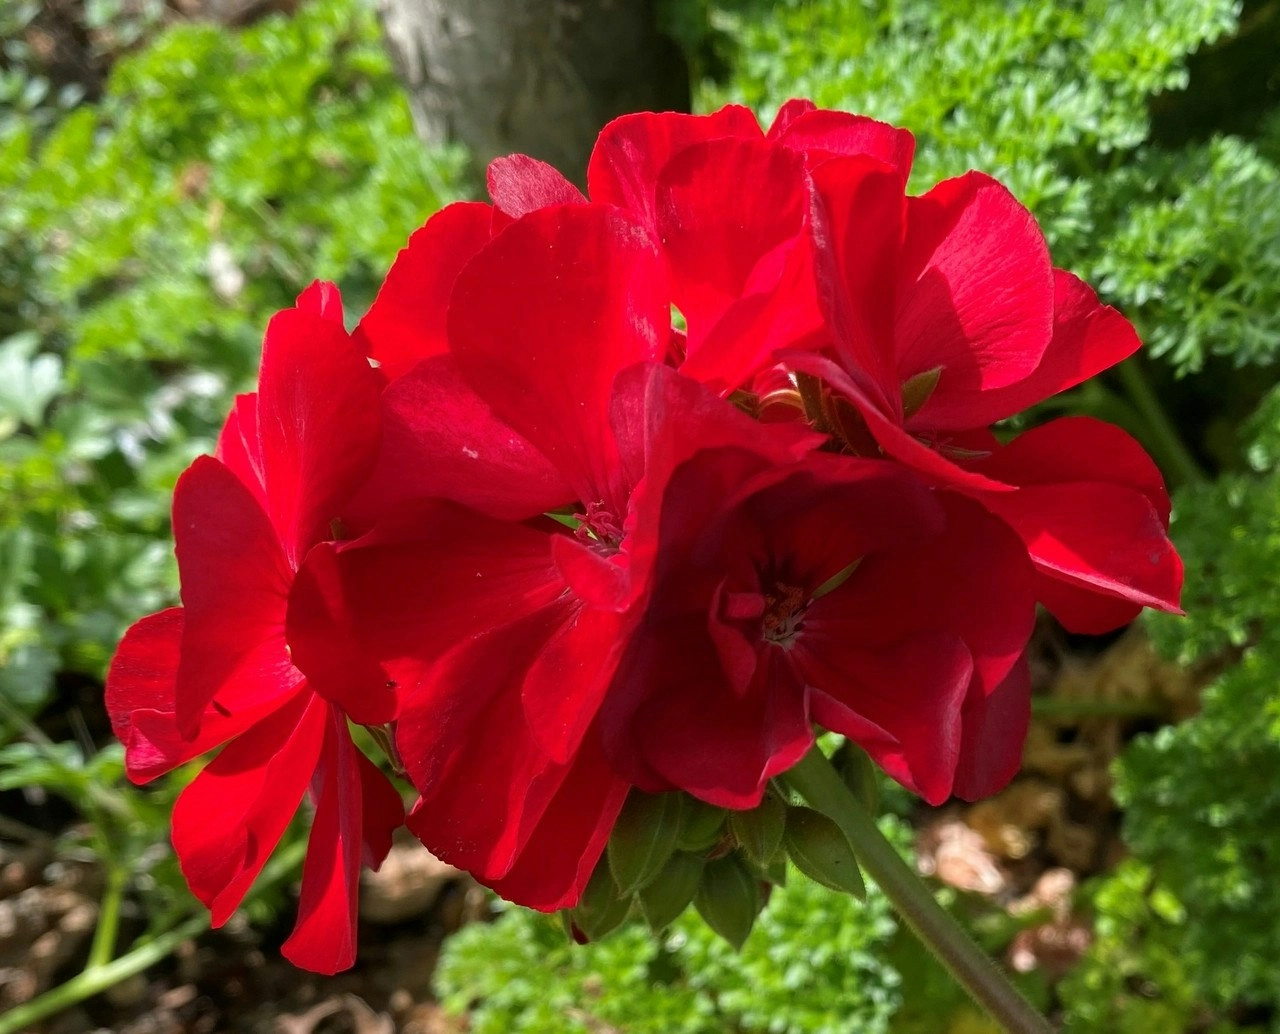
(1088, 337)
(239, 447)
(479, 805)
(1078, 448)
(440, 440)
(901, 703)
(822, 134)
(235, 583)
(140, 698)
(319, 422)
(555, 864)
(323, 299)
(1081, 609)
(519, 185)
(1097, 536)
(542, 320)
(229, 820)
(324, 939)
(893, 440)
(727, 245)
(370, 620)
(632, 150)
(407, 320)
(995, 728)
(859, 213)
(975, 295)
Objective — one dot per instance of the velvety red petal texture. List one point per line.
(318, 423)
(235, 582)
(238, 445)
(975, 295)
(1088, 337)
(729, 247)
(441, 440)
(632, 150)
(141, 701)
(1094, 514)
(995, 728)
(229, 820)
(822, 134)
(321, 298)
(406, 322)
(370, 619)
(592, 299)
(519, 185)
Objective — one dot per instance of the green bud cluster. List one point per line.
(669, 851)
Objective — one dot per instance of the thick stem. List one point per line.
(96, 979)
(820, 784)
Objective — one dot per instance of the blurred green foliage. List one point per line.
(815, 963)
(144, 241)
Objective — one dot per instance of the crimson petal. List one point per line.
(229, 819)
(406, 322)
(519, 185)
(592, 299)
(995, 728)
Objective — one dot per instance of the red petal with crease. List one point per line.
(519, 185)
(235, 582)
(592, 299)
(632, 150)
(385, 608)
(859, 212)
(319, 423)
(239, 448)
(352, 808)
(823, 134)
(479, 806)
(717, 235)
(975, 294)
(1083, 609)
(557, 861)
(1107, 537)
(323, 299)
(440, 440)
(140, 697)
(229, 820)
(406, 322)
(1088, 337)
(1078, 448)
(901, 703)
(995, 728)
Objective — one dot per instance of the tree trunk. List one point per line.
(533, 76)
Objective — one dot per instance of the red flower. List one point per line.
(945, 316)
(218, 669)
(833, 590)
(555, 325)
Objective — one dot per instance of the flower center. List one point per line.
(783, 609)
(599, 529)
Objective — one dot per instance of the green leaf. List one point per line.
(643, 838)
(821, 851)
(729, 899)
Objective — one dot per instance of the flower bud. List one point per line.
(728, 899)
(643, 838)
(821, 851)
(602, 907)
(672, 890)
(700, 825)
(759, 831)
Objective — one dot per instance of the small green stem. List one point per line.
(820, 784)
(104, 937)
(96, 979)
(1179, 464)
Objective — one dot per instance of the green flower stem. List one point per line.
(96, 979)
(104, 937)
(818, 783)
(1180, 466)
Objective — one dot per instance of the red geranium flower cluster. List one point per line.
(636, 491)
